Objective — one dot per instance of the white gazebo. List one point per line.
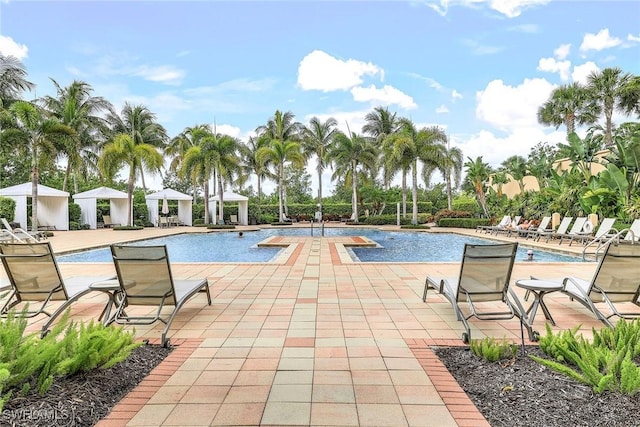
(185, 203)
(243, 206)
(118, 205)
(53, 205)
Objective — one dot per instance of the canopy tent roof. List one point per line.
(170, 194)
(53, 205)
(185, 207)
(227, 196)
(118, 206)
(25, 190)
(101, 193)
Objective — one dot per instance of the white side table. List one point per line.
(539, 288)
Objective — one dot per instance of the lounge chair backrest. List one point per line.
(564, 224)
(486, 271)
(6, 224)
(578, 225)
(618, 273)
(144, 274)
(634, 231)
(544, 223)
(106, 219)
(605, 227)
(33, 271)
(506, 220)
(516, 220)
(233, 218)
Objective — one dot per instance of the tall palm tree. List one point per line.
(607, 88)
(317, 140)
(448, 161)
(478, 173)
(38, 133)
(283, 134)
(177, 148)
(75, 107)
(350, 153)
(630, 96)
(568, 105)
(141, 125)
(123, 151)
(250, 164)
(411, 145)
(380, 124)
(13, 80)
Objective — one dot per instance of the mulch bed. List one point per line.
(522, 392)
(85, 398)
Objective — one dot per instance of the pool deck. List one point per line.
(311, 339)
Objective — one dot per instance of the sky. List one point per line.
(479, 69)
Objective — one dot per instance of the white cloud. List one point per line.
(442, 109)
(9, 47)
(321, 71)
(347, 120)
(509, 8)
(480, 49)
(508, 108)
(525, 28)
(230, 130)
(387, 95)
(163, 74)
(632, 38)
(581, 72)
(599, 41)
(455, 95)
(562, 51)
(553, 66)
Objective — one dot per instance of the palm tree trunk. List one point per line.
(34, 190)
(280, 179)
(320, 191)
(414, 193)
(354, 190)
(130, 184)
(220, 197)
(206, 201)
(404, 193)
(447, 180)
(65, 181)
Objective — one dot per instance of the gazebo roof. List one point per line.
(25, 190)
(228, 196)
(170, 195)
(101, 193)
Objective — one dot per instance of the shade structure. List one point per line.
(165, 206)
(53, 205)
(185, 205)
(243, 206)
(118, 205)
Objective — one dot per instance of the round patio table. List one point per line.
(539, 288)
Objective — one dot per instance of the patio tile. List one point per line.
(381, 415)
(333, 393)
(248, 394)
(205, 394)
(375, 394)
(191, 415)
(239, 414)
(334, 414)
(286, 413)
(151, 415)
(290, 393)
(421, 415)
(293, 377)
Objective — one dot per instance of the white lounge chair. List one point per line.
(23, 235)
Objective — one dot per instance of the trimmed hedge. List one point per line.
(7, 208)
(462, 222)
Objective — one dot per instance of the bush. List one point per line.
(7, 208)
(492, 350)
(462, 222)
(74, 215)
(128, 227)
(221, 227)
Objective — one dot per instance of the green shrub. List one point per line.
(27, 361)
(128, 227)
(221, 226)
(7, 208)
(492, 350)
(462, 222)
(609, 362)
(74, 214)
(415, 227)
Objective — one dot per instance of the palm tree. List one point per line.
(39, 134)
(516, 166)
(568, 105)
(124, 151)
(410, 145)
(317, 140)
(350, 152)
(380, 124)
(250, 164)
(478, 173)
(177, 148)
(141, 125)
(75, 107)
(12, 80)
(449, 162)
(283, 134)
(630, 96)
(607, 89)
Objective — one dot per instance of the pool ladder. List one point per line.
(321, 229)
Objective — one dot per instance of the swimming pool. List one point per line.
(394, 247)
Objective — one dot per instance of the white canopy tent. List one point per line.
(53, 205)
(243, 206)
(118, 205)
(185, 205)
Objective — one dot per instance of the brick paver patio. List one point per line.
(312, 339)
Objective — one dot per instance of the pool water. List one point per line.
(394, 247)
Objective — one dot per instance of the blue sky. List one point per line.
(477, 68)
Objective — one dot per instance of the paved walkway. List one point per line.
(312, 339)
